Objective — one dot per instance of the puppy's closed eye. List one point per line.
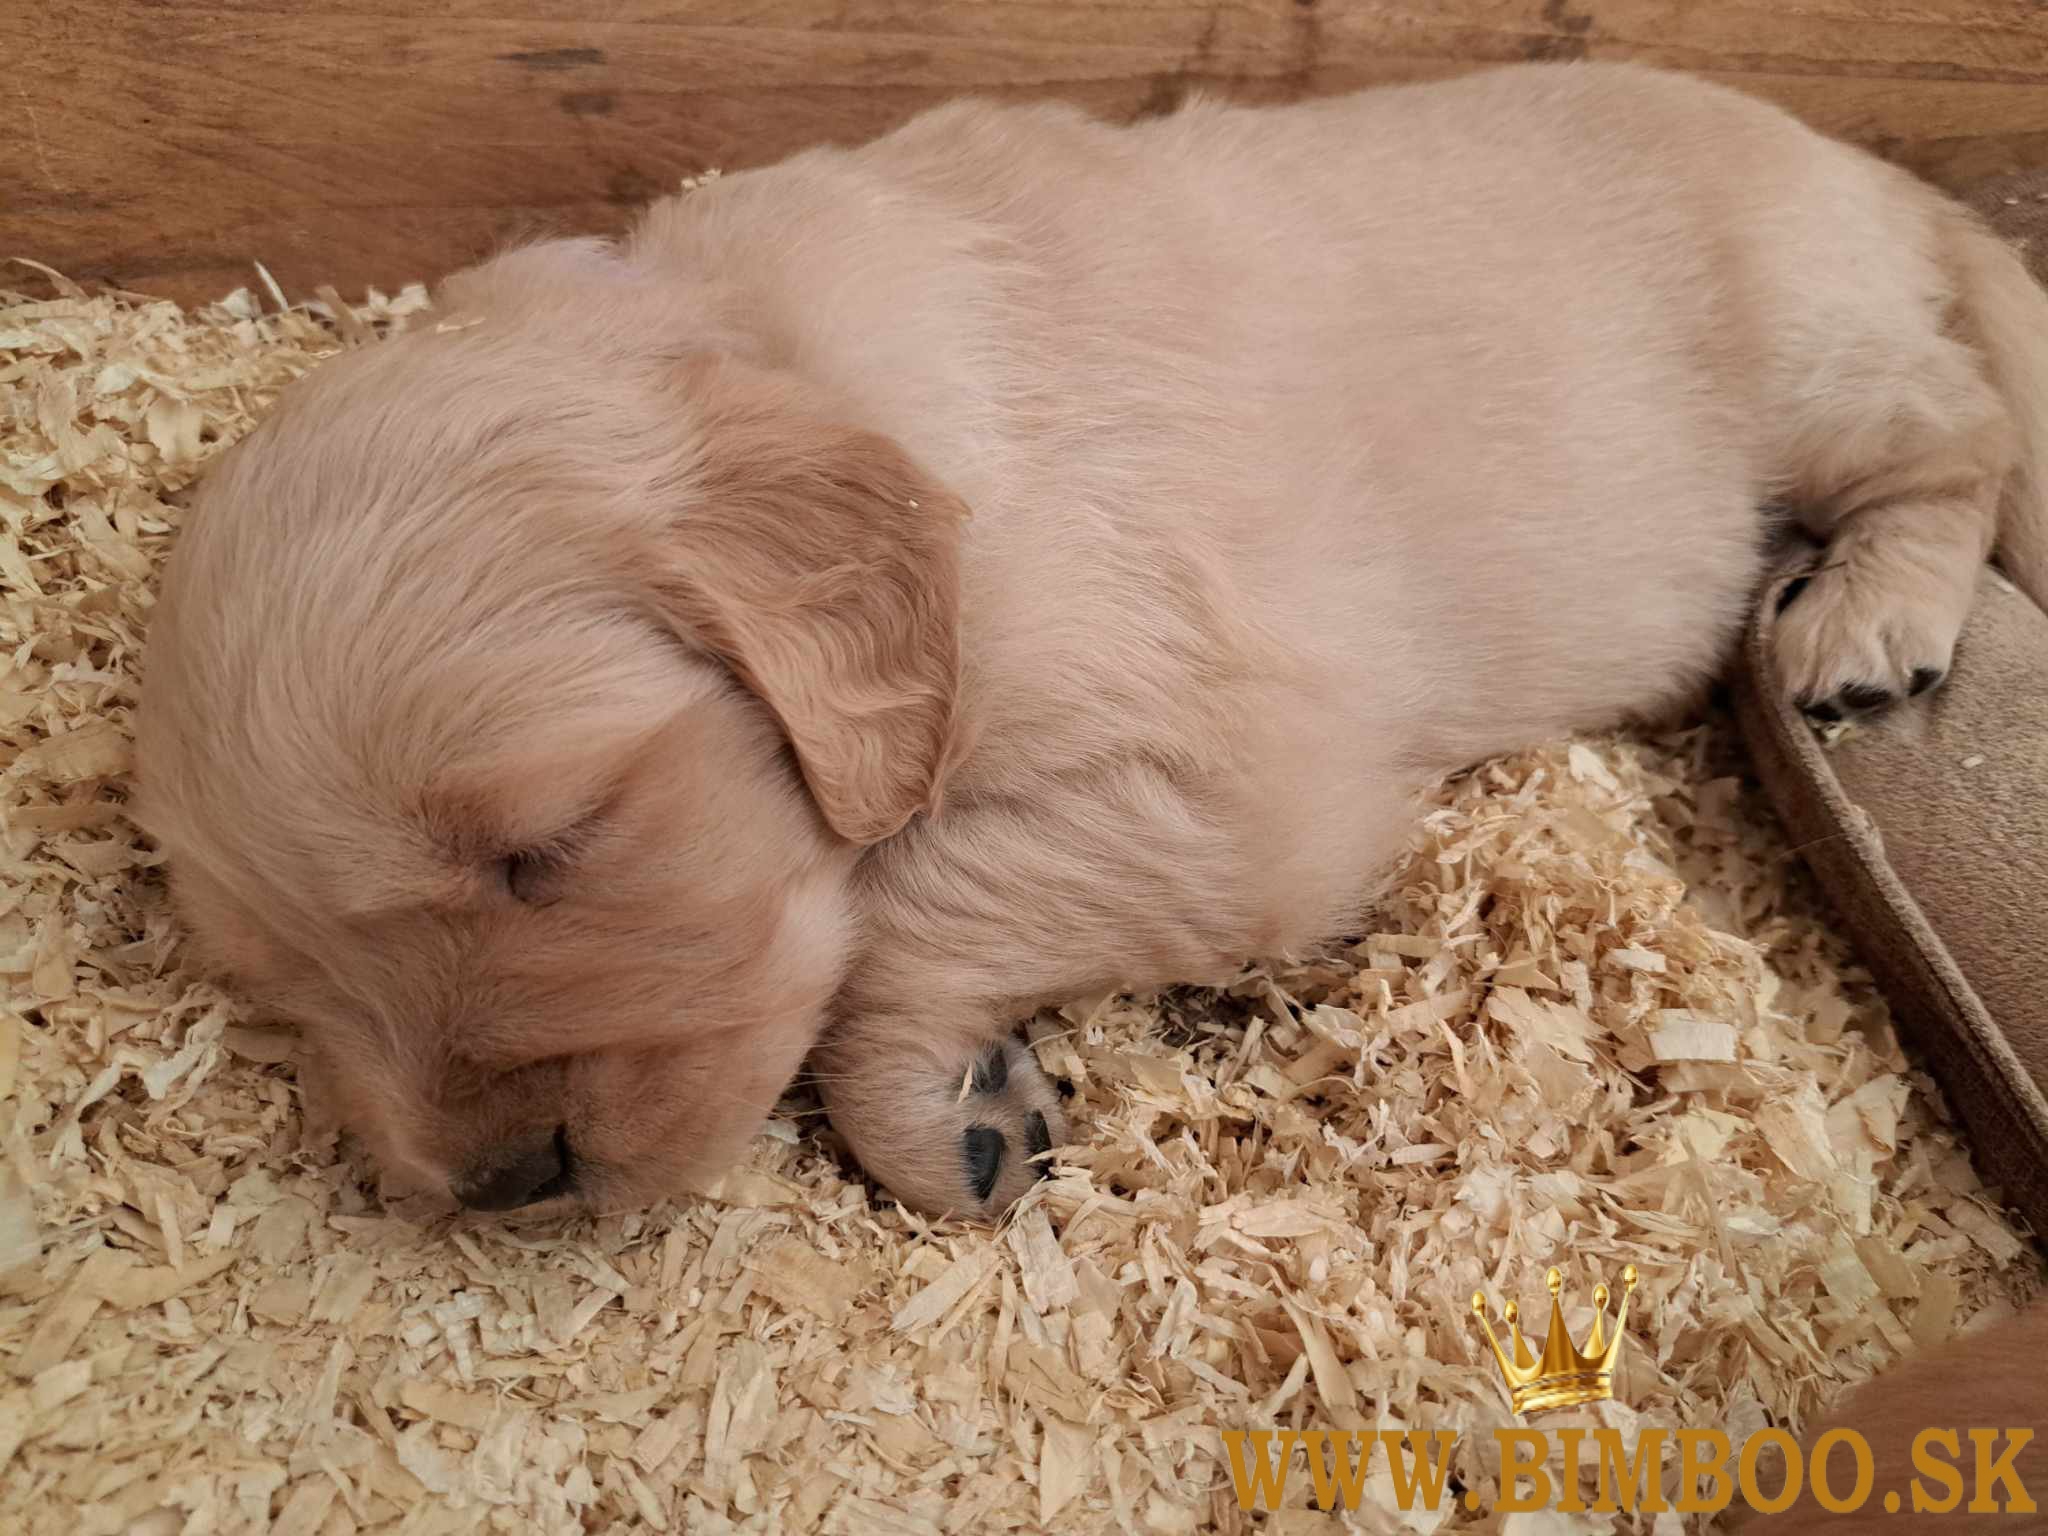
(538, 872)
(534, 876)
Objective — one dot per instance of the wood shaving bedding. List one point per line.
(1602, 1021)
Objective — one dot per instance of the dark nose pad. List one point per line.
(515, 1175)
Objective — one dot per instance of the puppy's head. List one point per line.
(517, 703)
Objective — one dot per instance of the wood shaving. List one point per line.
(1601, 1021)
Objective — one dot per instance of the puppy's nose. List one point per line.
(520, 1174)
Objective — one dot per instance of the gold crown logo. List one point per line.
(1565, 1376)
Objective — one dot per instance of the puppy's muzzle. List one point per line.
(520, 1174)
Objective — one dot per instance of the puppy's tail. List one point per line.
(2008, 314)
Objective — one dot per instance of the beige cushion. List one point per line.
(1927, 825)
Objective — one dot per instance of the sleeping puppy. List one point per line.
(1024, 557)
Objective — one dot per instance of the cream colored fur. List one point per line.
(1021, 557)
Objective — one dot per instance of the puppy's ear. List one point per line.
(822, 566)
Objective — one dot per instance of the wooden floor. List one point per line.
(168, 144)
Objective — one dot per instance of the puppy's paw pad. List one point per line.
(1853, 699)
(1821, 711)
(991, 1070)
(981, 1150)
(1038, 1141)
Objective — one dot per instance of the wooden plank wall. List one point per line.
(166, 143)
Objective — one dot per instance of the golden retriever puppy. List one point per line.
(1020, 557)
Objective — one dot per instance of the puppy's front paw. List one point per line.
(1856, 635)
(960, 1134)
(1013, 1118)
